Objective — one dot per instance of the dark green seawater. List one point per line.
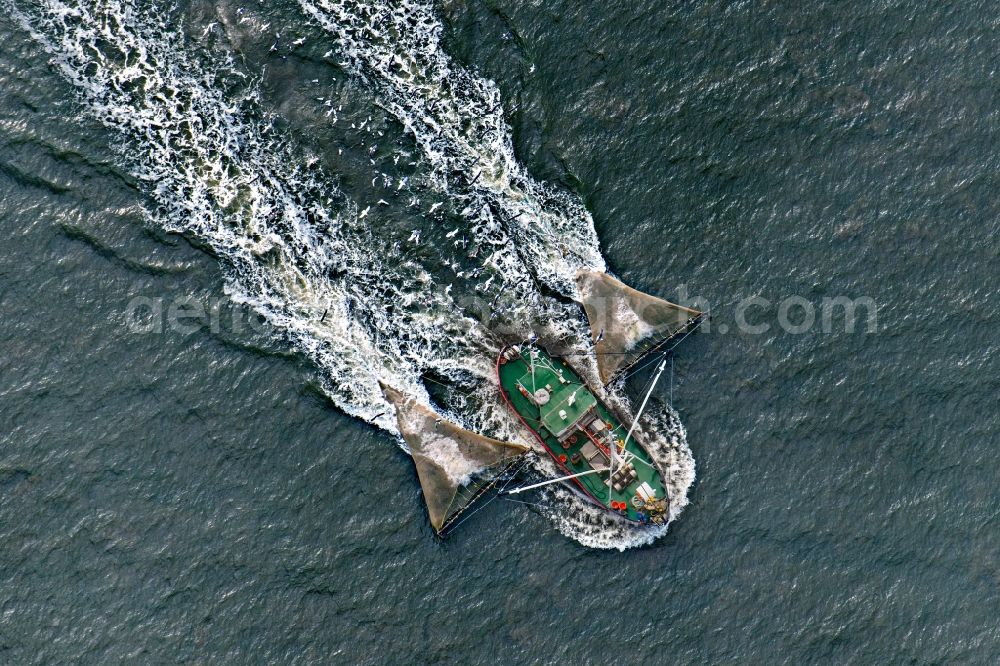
(201, 497)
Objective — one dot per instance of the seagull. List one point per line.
(299, 42)
(434, 207)
(383, 202)
(451, 234)
(364, 213)
(415, 236)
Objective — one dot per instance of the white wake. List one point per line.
(293, 247)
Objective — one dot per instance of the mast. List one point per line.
(532, 355)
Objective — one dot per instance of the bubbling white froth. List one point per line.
(293, 247)
(281, 230)
(457, 121)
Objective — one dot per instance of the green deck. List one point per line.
(567, 396)
(555, 422)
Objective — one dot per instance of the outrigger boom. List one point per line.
(550, 481)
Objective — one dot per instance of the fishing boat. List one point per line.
(587, 440)
(596, 449)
